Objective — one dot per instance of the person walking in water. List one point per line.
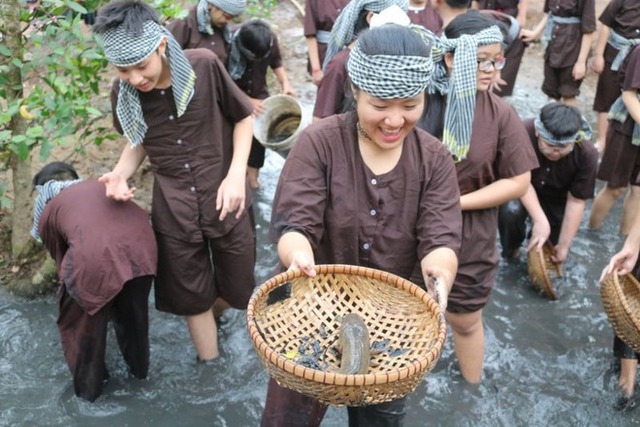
(183, 112)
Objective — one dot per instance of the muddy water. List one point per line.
(547, 363)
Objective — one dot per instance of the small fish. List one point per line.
(280, 293)
(353, 343)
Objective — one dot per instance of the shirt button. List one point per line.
(171, 117)
(548, 169)
(212, 43)
(374, 181)
(179, 142)
(162, 92)
(186, 165)
(372, 212)
(193, 189)
(366, 246)
(541, 182)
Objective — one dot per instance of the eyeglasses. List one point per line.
(545, 147)
(226, 15)
(486, 64)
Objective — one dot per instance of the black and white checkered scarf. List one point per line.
(46, 192)
(389, 76)
(460, 86)
(343, 29)
(204, 19)
(583, 134)
(123, 49)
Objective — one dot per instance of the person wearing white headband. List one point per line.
(207, 26)
(486, 137)
(333, 96)
(368, 188)
(182, 111)
(560, 186)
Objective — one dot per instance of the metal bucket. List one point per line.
(280, 123)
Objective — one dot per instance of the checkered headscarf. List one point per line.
(583, 134)
(460, 86)
(204, 19)
(46, 192)
(389, 76)
(123, 49)
(343, 28)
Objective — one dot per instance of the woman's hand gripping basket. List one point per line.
(621, 300)
(294, 322)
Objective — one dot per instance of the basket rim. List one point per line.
(622, 297)
(539, 257)
(330, 378)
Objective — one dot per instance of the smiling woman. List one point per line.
(368, 188)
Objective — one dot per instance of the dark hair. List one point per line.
(458, 4)
(361, 24)
(470, 22)
(58, 171)
(560, 119)
(130, 13)
(256, 36)
(389, 39)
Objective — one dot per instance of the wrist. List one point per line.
(315, 69)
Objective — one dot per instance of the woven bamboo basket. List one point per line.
(540, 268)
(621, 300)
(396, 312)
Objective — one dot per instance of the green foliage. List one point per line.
(53, 88)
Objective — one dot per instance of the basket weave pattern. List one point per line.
(539, 267)
(621, 301)
(393, 309)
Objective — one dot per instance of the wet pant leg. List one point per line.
(622, 350)
(387, 414)
(234, 258)
(130, 317)
(256, 155)
(83, 339)
(512, 225)
(288, 408)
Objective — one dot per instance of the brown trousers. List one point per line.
(84, 336)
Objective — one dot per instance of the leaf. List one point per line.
(4, 50)
(35, 132)
(77, 7)
(45, 149)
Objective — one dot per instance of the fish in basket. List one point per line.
(540, 268)
(348, 336)
(621, 300)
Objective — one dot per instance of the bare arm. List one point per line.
(624, 261)
(631, 101)
(294, 251)
(532, 35)
(580, 67)
(314, 60)
(541, 229)
(598, 52)
(281, 75)
(116, 180)
(496, 193)
(573, 212)
(522, 13)
(231, 193)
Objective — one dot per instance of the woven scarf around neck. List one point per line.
(461, 86)
(126, 50)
